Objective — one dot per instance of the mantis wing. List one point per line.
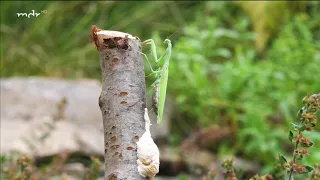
(163, 82)
(162, 93)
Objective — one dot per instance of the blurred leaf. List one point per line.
(282, 159)
(290, 136)
(307, 145)
(295, 127)
(309, 168)
(299, 157)
(183, 176)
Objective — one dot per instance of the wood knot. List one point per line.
(123, 102)
(136, 138)
(100, 101)
(113, 138)
(129, 148)
(115, 60)
(123, 94)
(115, 146)
(112, 176)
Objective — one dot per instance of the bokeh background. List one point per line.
(240, 67)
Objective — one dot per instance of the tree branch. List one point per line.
(122, 100)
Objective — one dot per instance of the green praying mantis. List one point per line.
(160, 84)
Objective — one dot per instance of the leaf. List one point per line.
(223, 52)
(298, 127)
(182, 176)
(290, 136)
(305, 145)
(300, 113)
(3, 159)
(294, 126)
(299, 157)
(309, 168)
(302, 127)
(282, 159)
(221, 32)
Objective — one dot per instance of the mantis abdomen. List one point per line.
(155, 99)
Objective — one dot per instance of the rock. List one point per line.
(247, 167)
(171, 162)
(196, 151)
(76, 169)
(44, 116)
(69, 177)
(43, 136)
(24, 98)
(189, 177)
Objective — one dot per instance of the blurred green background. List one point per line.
(245, 65)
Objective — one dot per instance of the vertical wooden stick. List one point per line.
(122, 100)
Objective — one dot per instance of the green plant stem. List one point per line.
(296, 148)
(294, 155)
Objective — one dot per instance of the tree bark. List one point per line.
(122, 101)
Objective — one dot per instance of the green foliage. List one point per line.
(307, 121)
(95, 169)
(315, 173)
(197, 59)
(229, 170)
(182, 176)
(269, 17)
(17, 166)
(219, 77)
(57, 43)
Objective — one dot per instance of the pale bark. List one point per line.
(122, 101)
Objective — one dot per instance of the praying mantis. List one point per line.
(160, 84)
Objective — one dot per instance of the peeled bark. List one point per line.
(122, 101)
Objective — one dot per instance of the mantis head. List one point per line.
(167, 41)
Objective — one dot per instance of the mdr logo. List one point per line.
(31, 14)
